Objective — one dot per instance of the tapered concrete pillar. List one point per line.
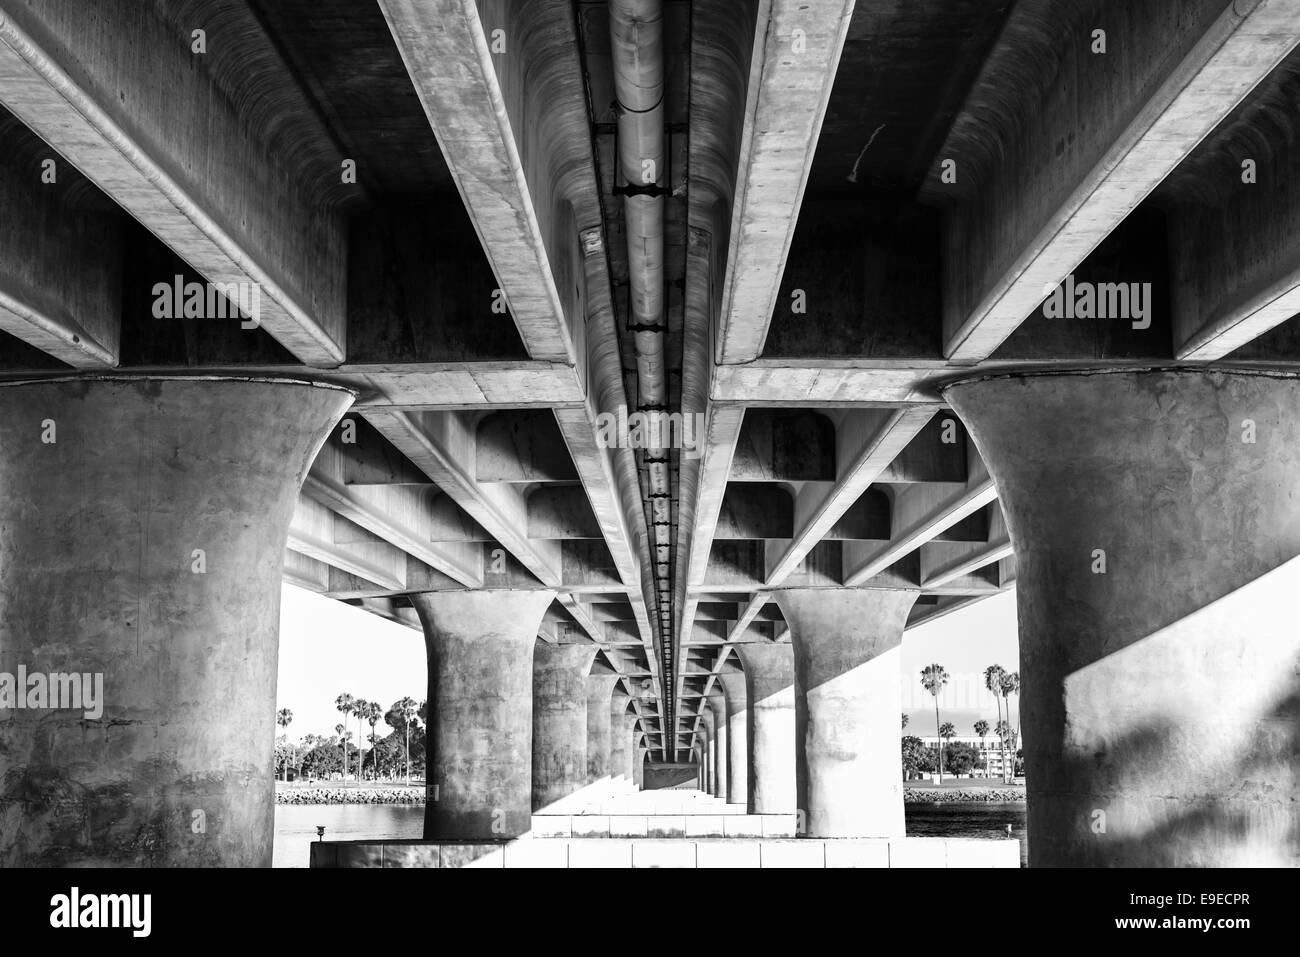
(718, 707)
(620, 736)
(847, 660)
(769, 687)
(560, 720)
(733, 686)
(706, 723)
(480, 647)
(142, 533)
(1155, 516)
(638, 762)
(631, 735)
(600, 690)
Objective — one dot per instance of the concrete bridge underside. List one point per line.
(954, 296)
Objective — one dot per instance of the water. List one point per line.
(295, 824)
(969, 820)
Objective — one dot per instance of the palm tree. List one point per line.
(948, 731)
(407, 709)
(341, 730)
(1003, 731)
(993, 676)
(933, 678)
(982, 728)
(359, 707)
(372, 713)
(905, 719)
(284, 718)
(1010, 686)
(346, 704)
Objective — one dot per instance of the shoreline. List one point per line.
(379, 794)
(400, 794)
(960, 795)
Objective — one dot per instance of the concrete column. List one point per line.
(560, 720)
(733, 686)
(142, 532)
(600, 689)
(620, 737)
(1155, 516)
(718, 707)
(638, 762)
(480, 647)
(847, 651)
(706, 722)
(769, 688)
(631, 735)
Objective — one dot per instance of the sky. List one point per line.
(327, 648)
(965, 642)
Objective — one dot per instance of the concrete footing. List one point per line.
(908, 852)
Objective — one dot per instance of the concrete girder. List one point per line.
(43, 246)
(220, 200)
(442, 446)
(1078, 155)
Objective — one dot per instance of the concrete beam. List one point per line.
(441, 444)
(1064, 162)
(344, 558)
(883, 438)
(1226, 294)
(961, 560)
(476, 101)
(60, 267)
(229, 205)
(787, 93)
(921, 512)
(461, 562)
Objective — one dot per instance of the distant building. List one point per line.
(990, 747)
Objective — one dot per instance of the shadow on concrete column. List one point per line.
(480, 647)
(733, 685)
(559, 721)
(847, 649)
(769, 688)
(1155, 516)
(142, 533)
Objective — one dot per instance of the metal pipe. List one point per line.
(637, 44)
